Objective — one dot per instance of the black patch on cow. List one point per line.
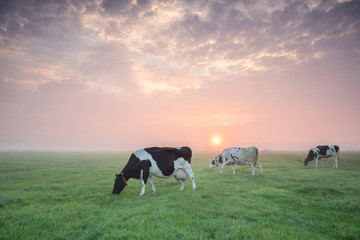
(220, 158)
(213, 162)
(323, 150)
(233, 157)
(165, 157)
(132, 168)
(146, 169)
(149, 163)
(186, 153)
(336, 148)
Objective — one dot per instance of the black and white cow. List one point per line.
(323, 152)
(239, 156)
(161, 162)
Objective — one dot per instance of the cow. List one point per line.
(239, 156)
(323, 152)
(162, 162)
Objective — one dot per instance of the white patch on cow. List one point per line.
(185, 166)
(142, 154)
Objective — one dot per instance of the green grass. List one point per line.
(68, 196)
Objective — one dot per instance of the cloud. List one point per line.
(229, 39)
(46, 21)
(172, 45)
(127, 8)
(116, 7)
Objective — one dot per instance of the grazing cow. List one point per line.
(323, 152)
(239, 156)
(160, 162)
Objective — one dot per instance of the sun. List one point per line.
(216, 140)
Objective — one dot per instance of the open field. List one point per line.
(68, 196)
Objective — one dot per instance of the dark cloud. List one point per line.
(40, 31)
(39, 19)
(334, 22)
(115, 7)
(128, 9)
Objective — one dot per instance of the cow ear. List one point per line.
(116, 175)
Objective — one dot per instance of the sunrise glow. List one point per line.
(216, 140)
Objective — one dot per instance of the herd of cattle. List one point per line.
(167, 162)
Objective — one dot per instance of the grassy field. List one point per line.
(68, 196)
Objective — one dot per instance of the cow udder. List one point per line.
(181, 175)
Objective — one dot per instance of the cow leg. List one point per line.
(222, 167)
(143, 185)
(262, 172)
(253, 168)
(316, 162)
(233, 168)
(182, 185)
(321, 162)
(336, 160)
(144, 174)
(152, 184)
(191, 175)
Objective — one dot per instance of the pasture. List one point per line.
(68, 196)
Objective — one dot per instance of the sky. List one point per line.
(208, 74)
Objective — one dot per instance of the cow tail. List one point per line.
(256, 156)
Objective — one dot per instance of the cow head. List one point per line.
(120, 183)
(215, 161)
(306, 162)
(310, 157)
